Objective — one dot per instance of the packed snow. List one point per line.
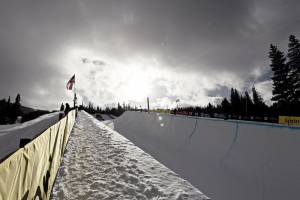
(99, 163)
(109, 123)
(225, 159)
(107, 117)
(10, 135)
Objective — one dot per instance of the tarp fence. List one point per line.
(30, 172)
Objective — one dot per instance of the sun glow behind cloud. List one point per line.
(137, 85)
(105, 80)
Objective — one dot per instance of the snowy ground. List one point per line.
(10, 135)
(109, 123)
(13, 127)
(225, 159)
(99, 163)
(107, 117)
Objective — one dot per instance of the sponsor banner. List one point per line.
(30, 172)
(161, 111)
(289, 120)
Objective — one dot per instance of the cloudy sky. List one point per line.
(126, 50)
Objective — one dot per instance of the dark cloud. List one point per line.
(204, 37)
(85, 60)
(220, 91)
(98, 62)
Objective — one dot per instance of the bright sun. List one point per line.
(128, 80)
(138, 85)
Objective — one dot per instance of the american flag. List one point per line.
(71, 83)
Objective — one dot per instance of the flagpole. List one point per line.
(74, 91)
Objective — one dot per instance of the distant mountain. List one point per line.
(26, 110)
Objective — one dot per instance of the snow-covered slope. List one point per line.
(227, 160)
(99, 163)
(106, 117)
(13, 127)
(10, 135)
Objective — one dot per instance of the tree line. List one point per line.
(10, 111)
(115, 111)
(285, 93)
(286, 77)
(237, 106)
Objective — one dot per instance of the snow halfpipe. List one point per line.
(226, 159)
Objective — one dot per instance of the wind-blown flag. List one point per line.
(71, 82)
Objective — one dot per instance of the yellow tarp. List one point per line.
(289, 120)
(30, 172)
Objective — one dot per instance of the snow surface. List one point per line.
(10, 135)
(99, 163)
(13, 127)
(226, 159)
(106, 117)
(109, 123)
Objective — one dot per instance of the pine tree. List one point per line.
(8, 101)
(2, 110)
(225, 106)
(294, 65)
(8, 106)
(258, 103)
(119, 107)
(248, 104)
(235, 100)
(15, 110)
(62, 107)
(209, 109)
(257, 99)
(18, 99)
(281, 83)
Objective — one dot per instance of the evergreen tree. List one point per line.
(248, 104)
(281, 83)
(258, 103)
(8, 106)
(209, 109)
(18, 99)
(2, 111)
(119, 107)
(62, 107)
(8, 101)
(225, 106)
(235, 100)
(294, 65)
(257, 99)
(15, 110)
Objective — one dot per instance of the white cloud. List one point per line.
(135, 78)
(265, 89)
